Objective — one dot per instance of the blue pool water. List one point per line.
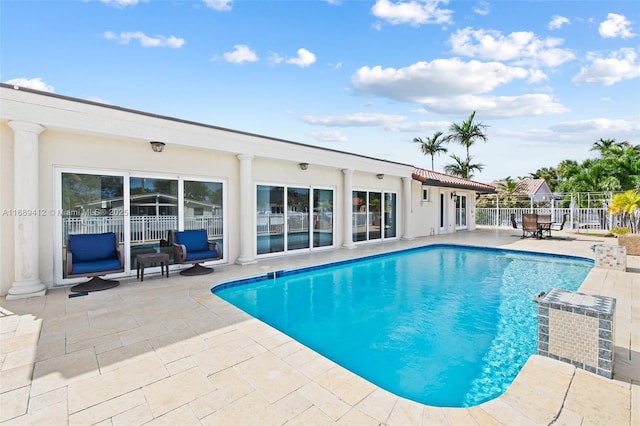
(443, 325)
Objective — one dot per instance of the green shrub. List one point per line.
(620, 230)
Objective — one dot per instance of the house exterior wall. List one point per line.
(82, 137)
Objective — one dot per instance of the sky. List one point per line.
(547, 78)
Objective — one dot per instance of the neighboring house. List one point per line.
(535, 189)
(69, 166)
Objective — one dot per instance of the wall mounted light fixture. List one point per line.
(157, 146)
(304, 166)
(380, 176)
(453, 194)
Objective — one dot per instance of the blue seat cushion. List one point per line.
(96, 266)
(93, 247)
(201, 255)
(194, 240)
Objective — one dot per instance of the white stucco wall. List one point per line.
(84, 137)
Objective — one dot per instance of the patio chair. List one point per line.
(560, 226)
(93, 255)
(193, 246)
(513, 221)
(530, 225)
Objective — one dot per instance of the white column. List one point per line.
(247, 211)
(406, 198)
(26, 207)
(347, 217)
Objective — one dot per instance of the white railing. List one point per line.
(142, 228)
(273, 223)
(584, 218)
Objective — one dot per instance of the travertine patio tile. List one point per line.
(145, 332)
(8, 322)
(293, 404)
(252, 409)
(231, 384)
(135, 416)
(108, 409)
(221, 357)
(482, 417)
(174, 391)
(600, 400)
(93, 390)
(14, 403)
(18, 342)
(44, 400)
(542, 408)
(209, 403)
(51, 346)
(568, 417)
(357, 417)
(119, 357)
(22, 357)
(271, 376)
(181, 416)
(170, 348)
(459, 416)
(505, 413)
(316, 367)
(287, 348)
(434, 416)
(63, 371)
(334, 377)
(311, 417)
(325, 400)
(407, 413)
(354, 390)
(302, 357)
(90, 342)
(55, 414)
(378, 404)
(180, 365)
(14, 378)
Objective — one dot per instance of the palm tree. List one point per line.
(431, 146)
(509, 189)
(466, 134)
(462, 168)
(627, 205)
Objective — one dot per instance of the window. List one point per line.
(373, 213)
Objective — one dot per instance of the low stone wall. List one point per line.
(631, 242)
(578, 329)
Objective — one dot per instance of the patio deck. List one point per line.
(167, 351)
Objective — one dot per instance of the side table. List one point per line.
(145, 259)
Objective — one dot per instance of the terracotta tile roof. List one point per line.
(526, 186)
(440, 179)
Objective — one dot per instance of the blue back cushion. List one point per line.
(93, 247)
(193, 240)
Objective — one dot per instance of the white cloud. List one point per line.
(620, 65)
(600, 126)
(145, 40)
(435, 79)
(241, 53)
(328, 136)
(122, 3)
(219, 5)
(482, 8)
(615, 26)
(304, 58)
(360, 119)
(413, 12)
(34, 83)
(558, 22)
(536, 104)
(522, 47)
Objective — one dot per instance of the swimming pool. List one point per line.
(443, 325)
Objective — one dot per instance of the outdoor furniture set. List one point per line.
(95, 255)
(538, 225)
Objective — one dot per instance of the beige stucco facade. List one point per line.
(46, 135)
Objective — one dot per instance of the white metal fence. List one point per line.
(142, 228)
(578, 218)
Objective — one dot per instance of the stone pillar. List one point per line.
(347, 217)
(247, 211)
(26, 207)
(406, 208)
